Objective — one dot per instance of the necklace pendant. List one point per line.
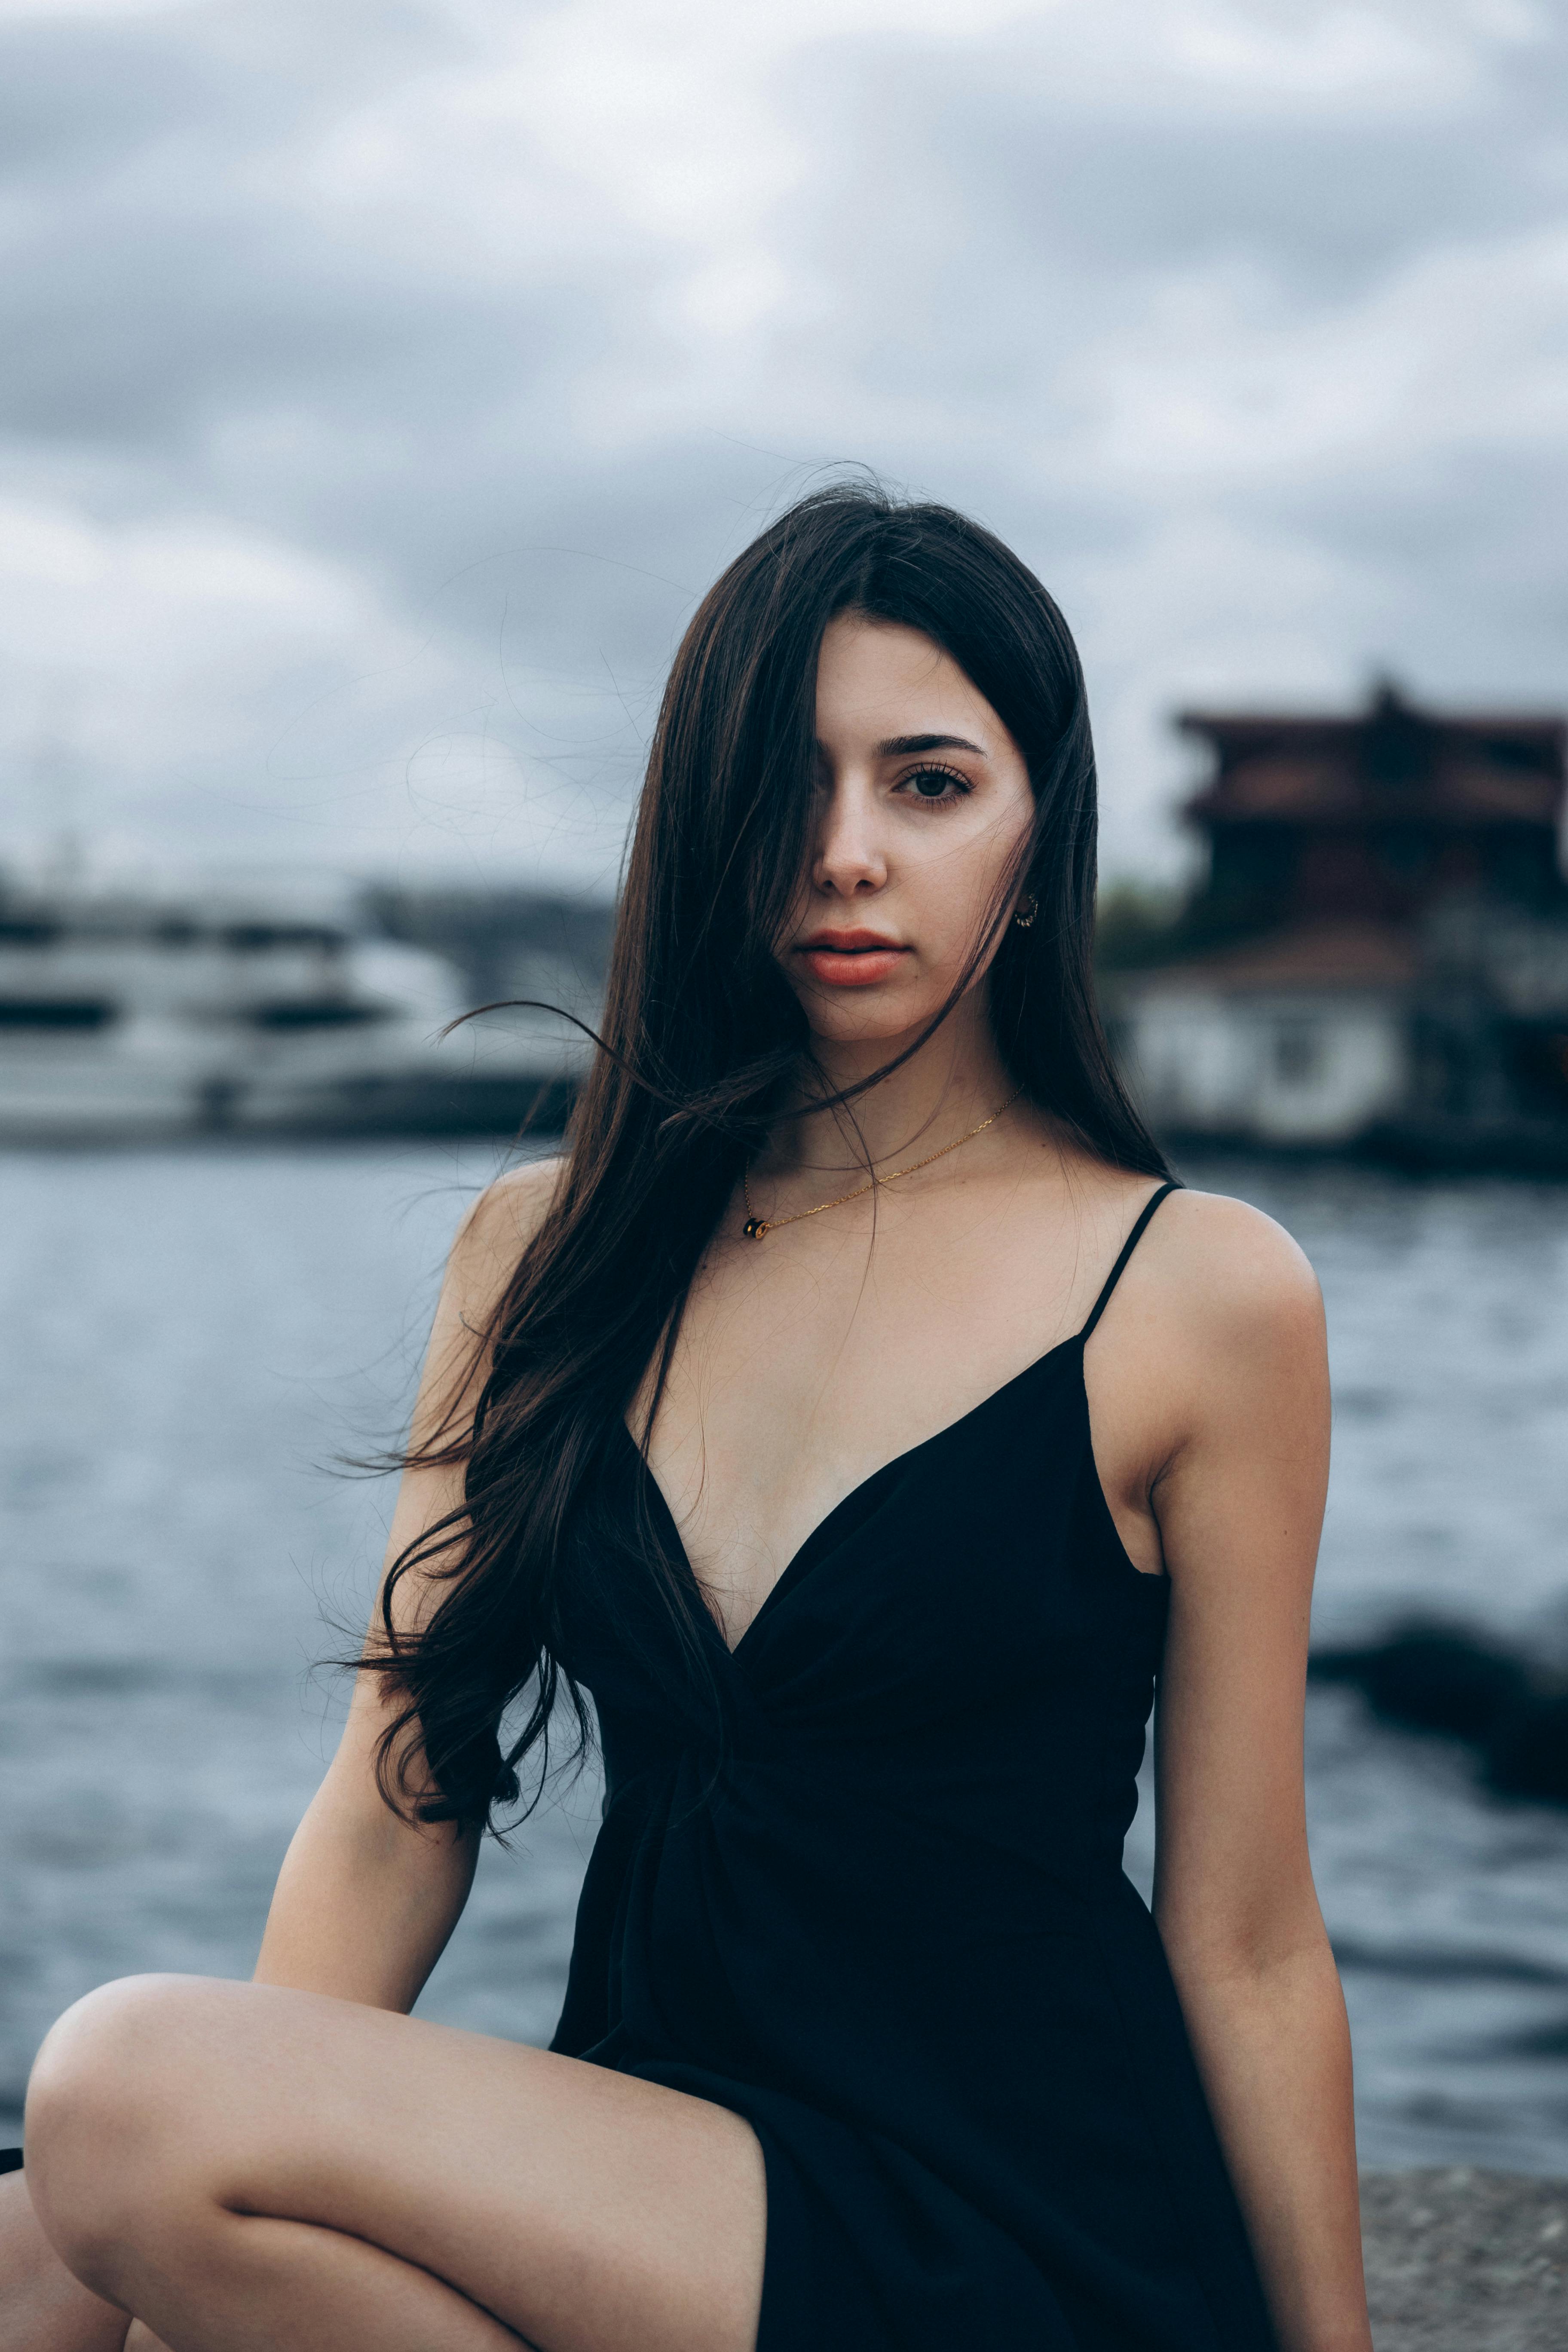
(754, 1228)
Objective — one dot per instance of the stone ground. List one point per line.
(1466, 2261)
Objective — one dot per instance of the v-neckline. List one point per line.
(798, 1560)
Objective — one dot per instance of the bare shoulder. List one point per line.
(1212, 1381)
(1229, 1278)
(495, 1231)
(497, 1228)
(510, 1211)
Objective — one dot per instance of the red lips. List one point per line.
(850, 959)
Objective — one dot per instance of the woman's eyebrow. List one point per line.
(898, 747)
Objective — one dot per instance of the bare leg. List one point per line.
(42, 2307)
(245, 2166)
(251, 2284)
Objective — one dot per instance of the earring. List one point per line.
(1026, 913)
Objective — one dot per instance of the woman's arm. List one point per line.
(1236, 1333)
(365, 1901)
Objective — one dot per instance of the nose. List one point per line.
(849, 860)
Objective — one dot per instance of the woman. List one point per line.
(817, 1416)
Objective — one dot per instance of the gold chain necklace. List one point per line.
(755, 1227)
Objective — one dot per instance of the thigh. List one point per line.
(588, 2210)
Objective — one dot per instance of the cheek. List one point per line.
(954, 883)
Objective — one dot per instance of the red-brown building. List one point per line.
(1381, 816)
(1381, 943)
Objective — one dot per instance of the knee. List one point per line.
(103, 2123)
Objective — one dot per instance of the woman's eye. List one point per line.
(935, 785)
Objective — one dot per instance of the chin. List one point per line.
(848, 1022)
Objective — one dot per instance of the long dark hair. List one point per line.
(703, 1040)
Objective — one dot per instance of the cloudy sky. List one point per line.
(381, 382)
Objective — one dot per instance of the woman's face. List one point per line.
(922, 799)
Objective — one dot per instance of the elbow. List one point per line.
(1262, 1946)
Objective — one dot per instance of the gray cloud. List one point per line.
(379, 389)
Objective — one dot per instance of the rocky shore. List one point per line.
(1466, 2261)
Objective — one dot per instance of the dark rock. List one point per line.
(1433, 1678)
(1445, 1679)
(1466, 2261)
(1527, 1755)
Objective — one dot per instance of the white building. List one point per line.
(1304, 1037)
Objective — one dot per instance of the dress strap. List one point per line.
(1128, 1246)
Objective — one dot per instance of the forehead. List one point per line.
(880, 679)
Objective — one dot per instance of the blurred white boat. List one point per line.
(132, 1013)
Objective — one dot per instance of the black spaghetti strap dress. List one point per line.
(860, 1881)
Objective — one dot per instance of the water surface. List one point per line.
(189, 1336)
